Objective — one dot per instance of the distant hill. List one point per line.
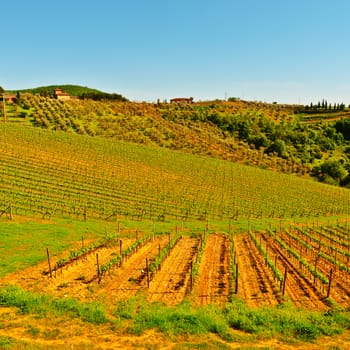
(271, 136)
(75, 90)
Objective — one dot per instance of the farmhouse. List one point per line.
(182, 100)
(60, 95)
(9, 98)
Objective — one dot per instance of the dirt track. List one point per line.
(212, 284)
(256, 284)
(171, 283)
(131, 277)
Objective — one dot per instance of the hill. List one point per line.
(270, 136)
(73, 90)
(101, 238)
(50, 173)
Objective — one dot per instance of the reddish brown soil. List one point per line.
(171, 284)
(79, 279)
(124, 282)
(212, 284)
(340, 287)
(302, 292)
(256, 284)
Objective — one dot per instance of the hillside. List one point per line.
(49, 173)
(73, 90)
(269, 136)
(101, 238)
(114, 212)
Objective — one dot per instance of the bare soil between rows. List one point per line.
(214, 283)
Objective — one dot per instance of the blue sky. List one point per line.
(292, 51)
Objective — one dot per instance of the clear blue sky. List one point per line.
(293, 51)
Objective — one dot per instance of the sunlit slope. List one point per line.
(52, 174)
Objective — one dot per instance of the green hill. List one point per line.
(269, 136)
(53, 173)
(73, 90)
(66, 189)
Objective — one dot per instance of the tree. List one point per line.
(331, 171)
(1, 90)
(343, 126)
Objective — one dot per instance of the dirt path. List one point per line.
(212, 283)
(171, 283)
(256, 284)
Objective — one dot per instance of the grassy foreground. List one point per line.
(136, 317)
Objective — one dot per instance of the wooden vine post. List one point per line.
(147, 270)
(98, 269)
(121, 251)
(191, 278)
(329, 282)
(236, 279)
(284, 281)
(49, 262)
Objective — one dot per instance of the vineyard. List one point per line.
(179, 229)
(306, 264)
(179, 127)
(49, 174)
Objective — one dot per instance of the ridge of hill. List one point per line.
(73, 90)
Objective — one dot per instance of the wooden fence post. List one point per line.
(284, 281)
(98, 269)
(49, 262)
(329, 282)
(236, 279)
(147, 269)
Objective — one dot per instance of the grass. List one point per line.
(284, 321)
(44, 305)
(24, 244)
(136, 316)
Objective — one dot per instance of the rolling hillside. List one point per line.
(73, 90)
(268, 136)
(53, 173)
(101, 238)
